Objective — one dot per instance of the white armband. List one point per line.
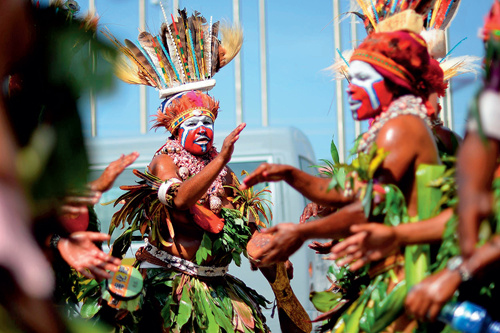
(162, 191)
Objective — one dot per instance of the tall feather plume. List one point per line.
(183, 34)
(460, 65)
(191, 37)
(232, 40)
(445, 13)
(141, 58)
(340, 67)
(177, 28)
(127, 72)
(167, 61)
(142, 72)
(186, 50)
(146, 41)
(215, 48)
(171, 48)
(195, 24)
(208, 44)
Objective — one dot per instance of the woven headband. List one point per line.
(192, 112)
(384, 62)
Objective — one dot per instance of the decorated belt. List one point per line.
(170, 261)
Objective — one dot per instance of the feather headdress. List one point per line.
(429, 18)
(185, 54)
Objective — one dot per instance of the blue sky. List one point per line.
(299, 47)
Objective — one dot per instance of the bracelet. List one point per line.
(456, 263)
(54, 241)
(163, 190)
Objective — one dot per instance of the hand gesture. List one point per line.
(80, 252)
(472, 209)
(112, 171)
(228, 146)
(286, 240)
(322, 248)
(426, 299)
(312, 209)
(370, 242)
(266, 172)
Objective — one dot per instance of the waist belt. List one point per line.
(154, 255)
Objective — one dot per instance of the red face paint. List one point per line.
(368, 93)
(196, 134)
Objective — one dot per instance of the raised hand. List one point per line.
(286, 240)
(80, 252)
(228, 146)
(313, 210)
(426, 299)
(266, 172)
(370, 242)
(112, 171)
(322, 248)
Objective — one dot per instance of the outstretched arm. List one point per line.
(192, 189)
(375, 241)
(426, 299)
(477, 160)
(289, 237)
(312, 187)
(80, 252)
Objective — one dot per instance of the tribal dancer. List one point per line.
(184, 205)
(391, 78)
(470, 271)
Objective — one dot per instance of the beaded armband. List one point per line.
(168, 191)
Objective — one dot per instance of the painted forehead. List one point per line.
(194, 120)
(357, 67)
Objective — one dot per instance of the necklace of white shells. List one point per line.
(189, 165)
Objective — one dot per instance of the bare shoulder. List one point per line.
(410, 136)
(163, 167)
(406, 130)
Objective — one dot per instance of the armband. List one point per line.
(167, 191)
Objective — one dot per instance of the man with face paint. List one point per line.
(390, 82)
(194, 229)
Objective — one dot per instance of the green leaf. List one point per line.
(367, 200)
(334, 152)
(324, 301)
(185, 308)
(90, 307)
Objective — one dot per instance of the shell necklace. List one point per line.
(189, 165)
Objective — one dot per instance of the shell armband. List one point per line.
(168, 190)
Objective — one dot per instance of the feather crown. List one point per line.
(173, 111)
(183, 56)
(429, 18)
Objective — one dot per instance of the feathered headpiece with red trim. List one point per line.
(402, 58)
(173, 111)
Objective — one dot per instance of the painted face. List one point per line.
(197, 134)
(367, 91)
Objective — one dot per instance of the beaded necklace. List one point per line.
(408, 104)
(189, 165)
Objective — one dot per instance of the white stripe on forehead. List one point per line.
(172, 99)
(358, 68)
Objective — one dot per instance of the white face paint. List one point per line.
(196, 134)
(361, 91)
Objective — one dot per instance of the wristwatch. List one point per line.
(456, 264)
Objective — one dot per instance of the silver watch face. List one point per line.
(454, 263)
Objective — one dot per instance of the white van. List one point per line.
(255, 146)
